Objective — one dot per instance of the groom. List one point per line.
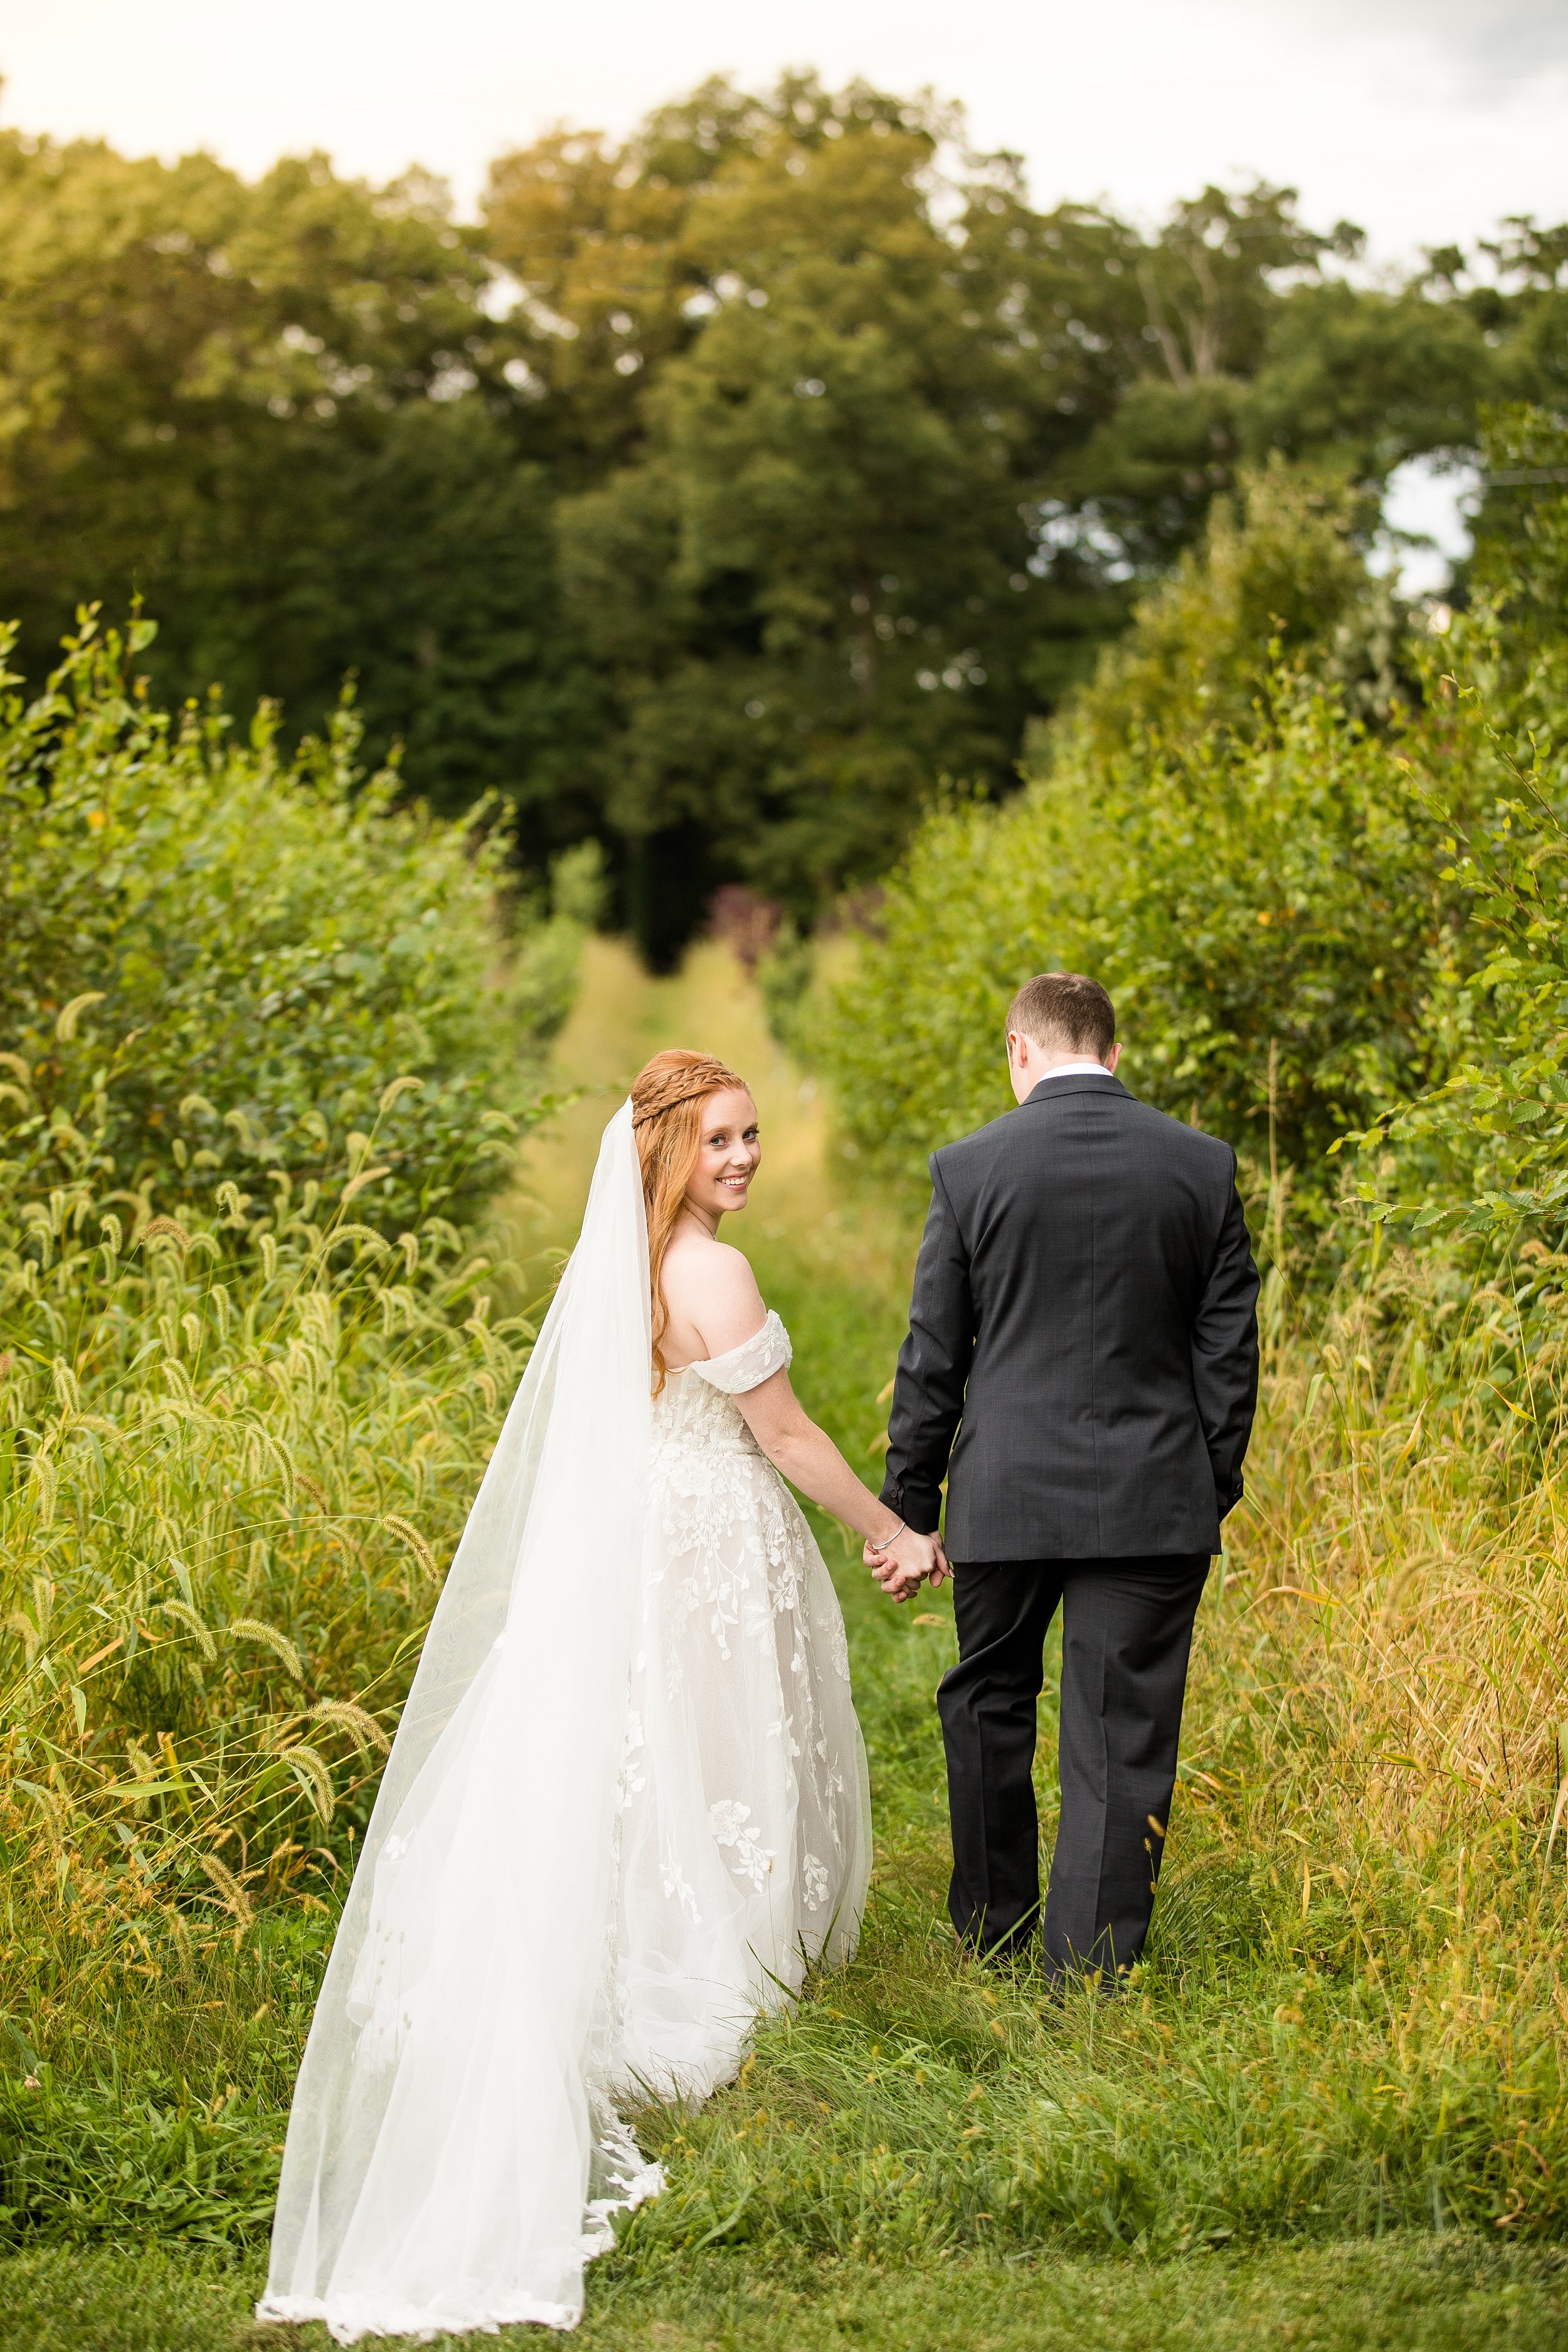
(1083, 1325)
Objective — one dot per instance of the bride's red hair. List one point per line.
(667, 1096)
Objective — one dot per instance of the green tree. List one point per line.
(427, 571)
(592, 238)
(732, 486)
(281, 411)
(810, 606)
(807, 587)
(1153, 369)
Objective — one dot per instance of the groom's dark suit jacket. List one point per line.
(1084, 1322)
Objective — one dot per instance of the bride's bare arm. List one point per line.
(714, 1306)
(808, 1458)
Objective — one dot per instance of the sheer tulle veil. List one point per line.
(453, 2151)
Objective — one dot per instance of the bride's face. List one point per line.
(728, 1153)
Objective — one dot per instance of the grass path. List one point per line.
(922, 2158)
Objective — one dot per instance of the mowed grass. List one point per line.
(1404, 2295)
(1332, 2107)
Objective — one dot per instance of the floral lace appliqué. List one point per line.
(744, 1839)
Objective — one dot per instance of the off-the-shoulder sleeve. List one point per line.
(756, 1360)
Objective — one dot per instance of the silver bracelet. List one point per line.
(889, 1540)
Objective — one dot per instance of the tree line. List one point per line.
(719, 492)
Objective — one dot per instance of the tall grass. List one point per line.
(265, 1035)
(1349, 2017)
(235, 1454)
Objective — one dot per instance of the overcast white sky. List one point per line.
(1424, 119)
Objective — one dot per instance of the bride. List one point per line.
(627, 1807)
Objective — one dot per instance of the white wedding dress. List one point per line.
(626, 1809)
(744, 1834)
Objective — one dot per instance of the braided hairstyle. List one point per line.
(666, 1119)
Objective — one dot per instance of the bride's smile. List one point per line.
(728, 1157)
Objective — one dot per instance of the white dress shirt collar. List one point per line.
(1076, 1070)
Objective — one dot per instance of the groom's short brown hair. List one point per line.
(1064, 1008)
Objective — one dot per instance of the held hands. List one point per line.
(901, 1567)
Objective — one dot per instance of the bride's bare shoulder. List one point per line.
(711, 1290)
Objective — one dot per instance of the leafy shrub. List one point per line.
(1518, 575)
(1278, 577)
(269, 942)
(545, 953)
(1483, 1151)
(1214, 831)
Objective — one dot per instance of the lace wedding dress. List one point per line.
(744, 1839)
(626, 1809)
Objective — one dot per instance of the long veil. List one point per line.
(452, 2153)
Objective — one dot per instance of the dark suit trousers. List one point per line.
(1127, 1627)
